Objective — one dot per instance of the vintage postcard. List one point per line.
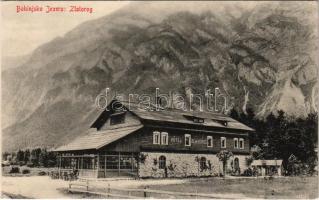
(159, 99)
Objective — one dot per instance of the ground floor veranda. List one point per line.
(101, 165)
(146, 164)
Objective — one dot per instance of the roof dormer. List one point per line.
(194, 119)
(222, 122)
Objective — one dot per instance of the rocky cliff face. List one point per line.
(263, 57)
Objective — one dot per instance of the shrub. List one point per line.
(229, 171)
(13, 162)
(249, 160)
(51, 163)
(141, 158)
(26, 171)
(248, 172)
(171, 167)
(21, 163)
(42, 173)
(14, 170)
(29, 164)
(209, 165)
(155, 161)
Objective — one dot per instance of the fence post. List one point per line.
(196, 194)
(87, 187)
(145, 191)
(108, 190)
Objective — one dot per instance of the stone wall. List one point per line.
(184, 165)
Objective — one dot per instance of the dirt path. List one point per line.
(44, 187)
(34, 187)
(5, 195)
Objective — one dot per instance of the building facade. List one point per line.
(128, 139)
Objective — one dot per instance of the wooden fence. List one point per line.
(108, 191)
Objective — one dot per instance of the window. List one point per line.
(164, 138)
(198, 120)
(156, 137)
(236, 165)
(160, 138)
(202, 163)
(118, 118)
(209, 141)
(223, 142)
(222, 122)
(225, 123)
(241, 143)
(188, 140)
(194, 119)
(162, 162)
(236, 143)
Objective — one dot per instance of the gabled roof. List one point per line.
(211, 119)
(98, 139)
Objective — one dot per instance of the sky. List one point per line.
(24, 31)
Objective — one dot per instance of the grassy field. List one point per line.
(283, 188)
(277, 188)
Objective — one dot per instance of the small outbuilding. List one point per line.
(268, 167)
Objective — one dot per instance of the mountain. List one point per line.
(263, 57)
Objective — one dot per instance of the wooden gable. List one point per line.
(113, 118)
(128, 120)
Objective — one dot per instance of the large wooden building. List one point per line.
(129, 140)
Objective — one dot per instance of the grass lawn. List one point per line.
(279, 188)
(285, 187)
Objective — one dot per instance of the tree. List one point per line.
(13, 156)
(26, 155)
(311, 123)
(43, 160)
(234, 114)
(250, 117)
(224, 156)
(20, 156)
(279, 136)
(35, 153)
(5, 155)
(51, 159)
